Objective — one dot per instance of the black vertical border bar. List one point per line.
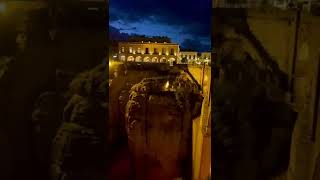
(316, 105)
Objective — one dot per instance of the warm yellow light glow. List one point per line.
(167, 85)
(110, 64)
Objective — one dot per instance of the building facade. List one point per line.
(195, 57)
(148, 52)
(205, 57)
(190, 56)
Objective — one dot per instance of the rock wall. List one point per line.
(154, 120)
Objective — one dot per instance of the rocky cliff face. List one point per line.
(70, 124)
(156, 119)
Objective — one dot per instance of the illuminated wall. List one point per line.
(148, 52)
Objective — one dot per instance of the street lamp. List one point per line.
(167, 85)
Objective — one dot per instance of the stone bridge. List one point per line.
(201, 73)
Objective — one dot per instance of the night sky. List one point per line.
(186, 22)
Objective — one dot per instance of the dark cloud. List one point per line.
(115, 34)
(193, 16)
(195, 45)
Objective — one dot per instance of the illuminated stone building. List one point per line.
(191, 56)
(205, 57)
(195, 57)
(148, 52)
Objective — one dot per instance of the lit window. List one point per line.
(122, 49)
(139, 50)
(163, 51)
(130, 49)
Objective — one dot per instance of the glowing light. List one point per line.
(110, 63)
(167, 85)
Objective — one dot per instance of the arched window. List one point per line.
(154, 59)
(163, 60)
(130, 59)
(138, 59)
(122, 49)
(146, 59)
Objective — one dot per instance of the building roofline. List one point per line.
(124, 42)
(189, 51)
